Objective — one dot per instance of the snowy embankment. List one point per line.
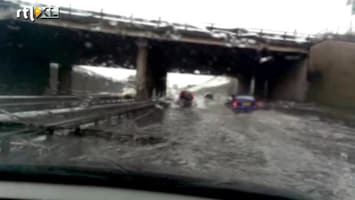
(101, 80)
(175, 81)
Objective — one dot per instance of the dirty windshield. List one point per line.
(258, 91)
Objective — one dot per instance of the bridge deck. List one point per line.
(164, 31)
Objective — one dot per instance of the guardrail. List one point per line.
(28, 103)
(71, 119)
(98, 114)
(43, 111)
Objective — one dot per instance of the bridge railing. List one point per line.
(100, 18)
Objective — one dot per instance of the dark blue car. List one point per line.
(243, 103)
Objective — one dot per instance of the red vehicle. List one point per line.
(185, 99)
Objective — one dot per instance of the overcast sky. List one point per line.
(308, 16)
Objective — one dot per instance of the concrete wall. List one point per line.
(232, 86)
(244, 84)
(332, 74)
(292, 84)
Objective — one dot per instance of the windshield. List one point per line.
(149, 86)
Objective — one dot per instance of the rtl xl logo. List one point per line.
(33, 13)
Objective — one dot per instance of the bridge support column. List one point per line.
(144, 77)
(244, 84)
(261, 88)
(53, 79)
(292, 85)
(160, 76)
(233, 86)
(64, 79)
(158, 65)
(163, 81)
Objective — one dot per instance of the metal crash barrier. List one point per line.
(79, 113)
(35, 103)
(65, 111)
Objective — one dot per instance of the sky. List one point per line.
(303, 16)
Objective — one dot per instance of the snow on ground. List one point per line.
(175, 81)
(214, 81)
(114, 74)
(28, 114)
(181, 80)
(194, 83)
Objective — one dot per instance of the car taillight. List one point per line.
(235, 104)
(259, 103)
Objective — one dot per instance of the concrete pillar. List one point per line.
(163, 81)
(160, 79)
(244, 83)
(142, 71)
(233, 86)
(292, 84)
(266, 89)
(53, 78)
(151, 71)
(65, 79)
(261, 88)
(252, 86)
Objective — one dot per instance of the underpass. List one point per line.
(275, 60)
(301, 147)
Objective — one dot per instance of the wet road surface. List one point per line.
(298, 152)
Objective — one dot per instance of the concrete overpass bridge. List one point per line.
(277, 61)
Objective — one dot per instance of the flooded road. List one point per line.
(299, 152)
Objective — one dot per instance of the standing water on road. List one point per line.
(146, 96)
(295, 152)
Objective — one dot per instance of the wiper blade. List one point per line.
(149, 181)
